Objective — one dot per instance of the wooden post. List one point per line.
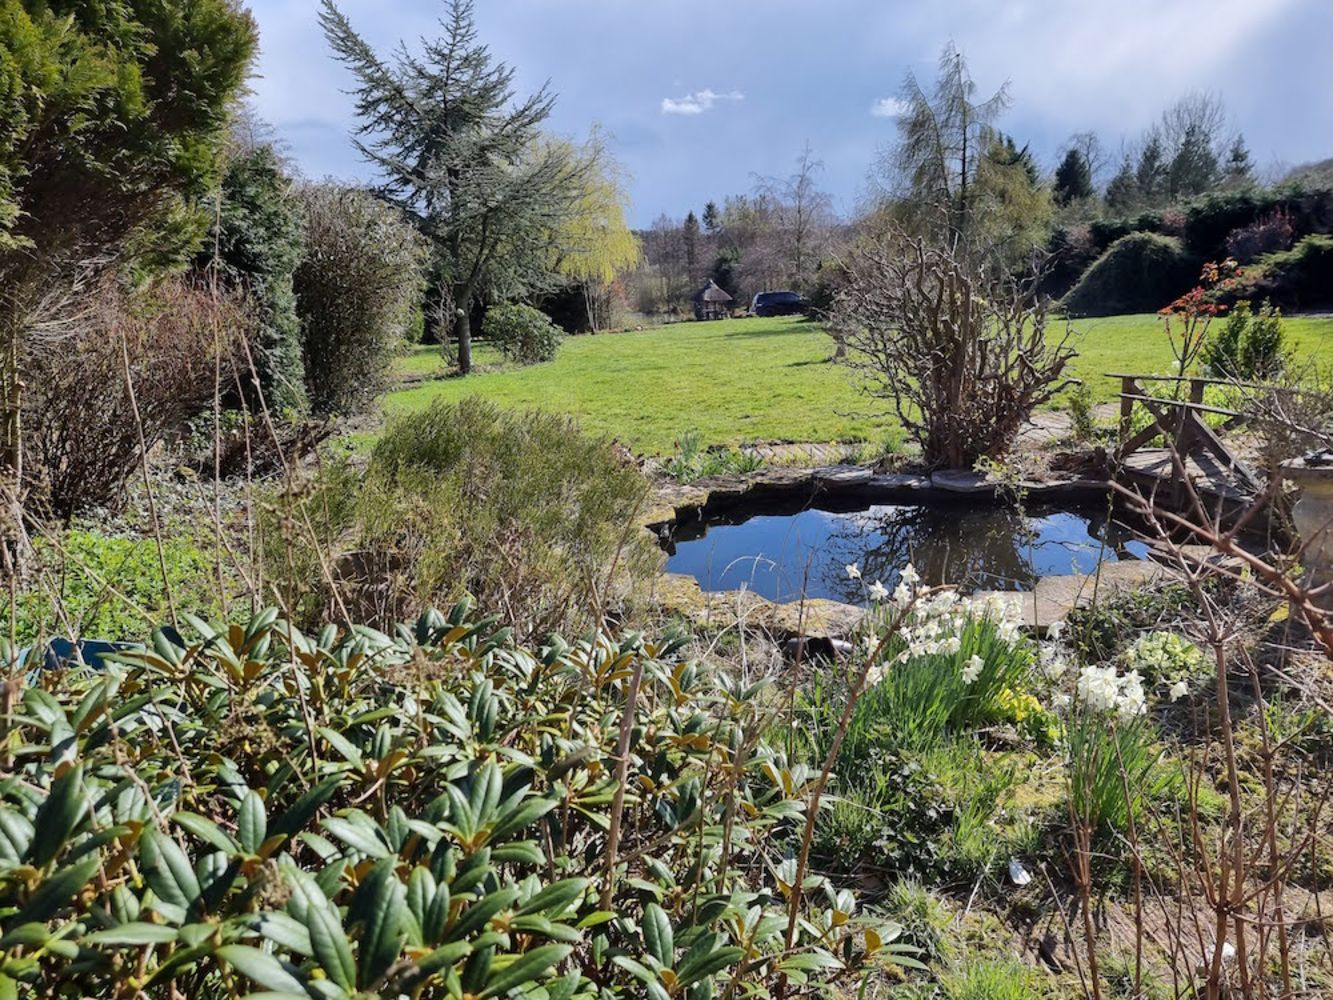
(1127, 389)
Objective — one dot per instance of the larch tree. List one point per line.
(943, 138)
(462, 156)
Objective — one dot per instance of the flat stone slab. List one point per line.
(843, 475)
(897, 481)
(814, 618)
(962, 481)
(681, 595)
(1055, 596)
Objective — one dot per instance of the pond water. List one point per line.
(783, 555)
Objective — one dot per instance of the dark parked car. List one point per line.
(779, 304)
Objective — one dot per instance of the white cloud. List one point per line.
(698, 102)
(888, 107)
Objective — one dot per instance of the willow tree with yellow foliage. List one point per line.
(596, 244)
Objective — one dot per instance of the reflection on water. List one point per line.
(786, 555)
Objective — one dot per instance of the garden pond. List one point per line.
(785, 553)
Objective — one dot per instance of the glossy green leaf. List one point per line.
(251, 822)
(555, 897)
(260, 967)
(167, 870)
(59, 816)
(657, 936)
(525, 968)
(204, 829)
(131, 935)
(328, 941)
(382, 899)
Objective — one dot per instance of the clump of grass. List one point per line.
(923, 916)
(521, 510)
(1116, 767)
(991, 979)
(692, 461)
(953, 668)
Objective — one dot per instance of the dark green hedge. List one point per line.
(1297, 279)
(1141, 272)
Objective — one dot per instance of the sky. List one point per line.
(700, 98)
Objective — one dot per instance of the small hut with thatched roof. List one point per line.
(710, 302)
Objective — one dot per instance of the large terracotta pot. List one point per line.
(1313, 512)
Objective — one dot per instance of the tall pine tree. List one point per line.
(460, 155)
(1073, 179)
(1239, 169)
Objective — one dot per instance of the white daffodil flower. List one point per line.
(973, 670)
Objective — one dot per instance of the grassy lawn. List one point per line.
(735, 381)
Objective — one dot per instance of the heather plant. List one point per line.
(521, 510)
(1272, 233)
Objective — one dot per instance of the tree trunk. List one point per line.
(11, 446)
(463, 331)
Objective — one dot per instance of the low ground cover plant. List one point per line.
(102, 586)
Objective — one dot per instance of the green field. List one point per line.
(744, 380)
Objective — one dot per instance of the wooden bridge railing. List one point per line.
(1179, 421)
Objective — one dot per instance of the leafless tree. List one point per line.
(804, 217)
(959, 347)
(1090, 147)
(1201, 113)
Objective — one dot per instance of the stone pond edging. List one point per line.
(1050, 601)
(852, 483)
